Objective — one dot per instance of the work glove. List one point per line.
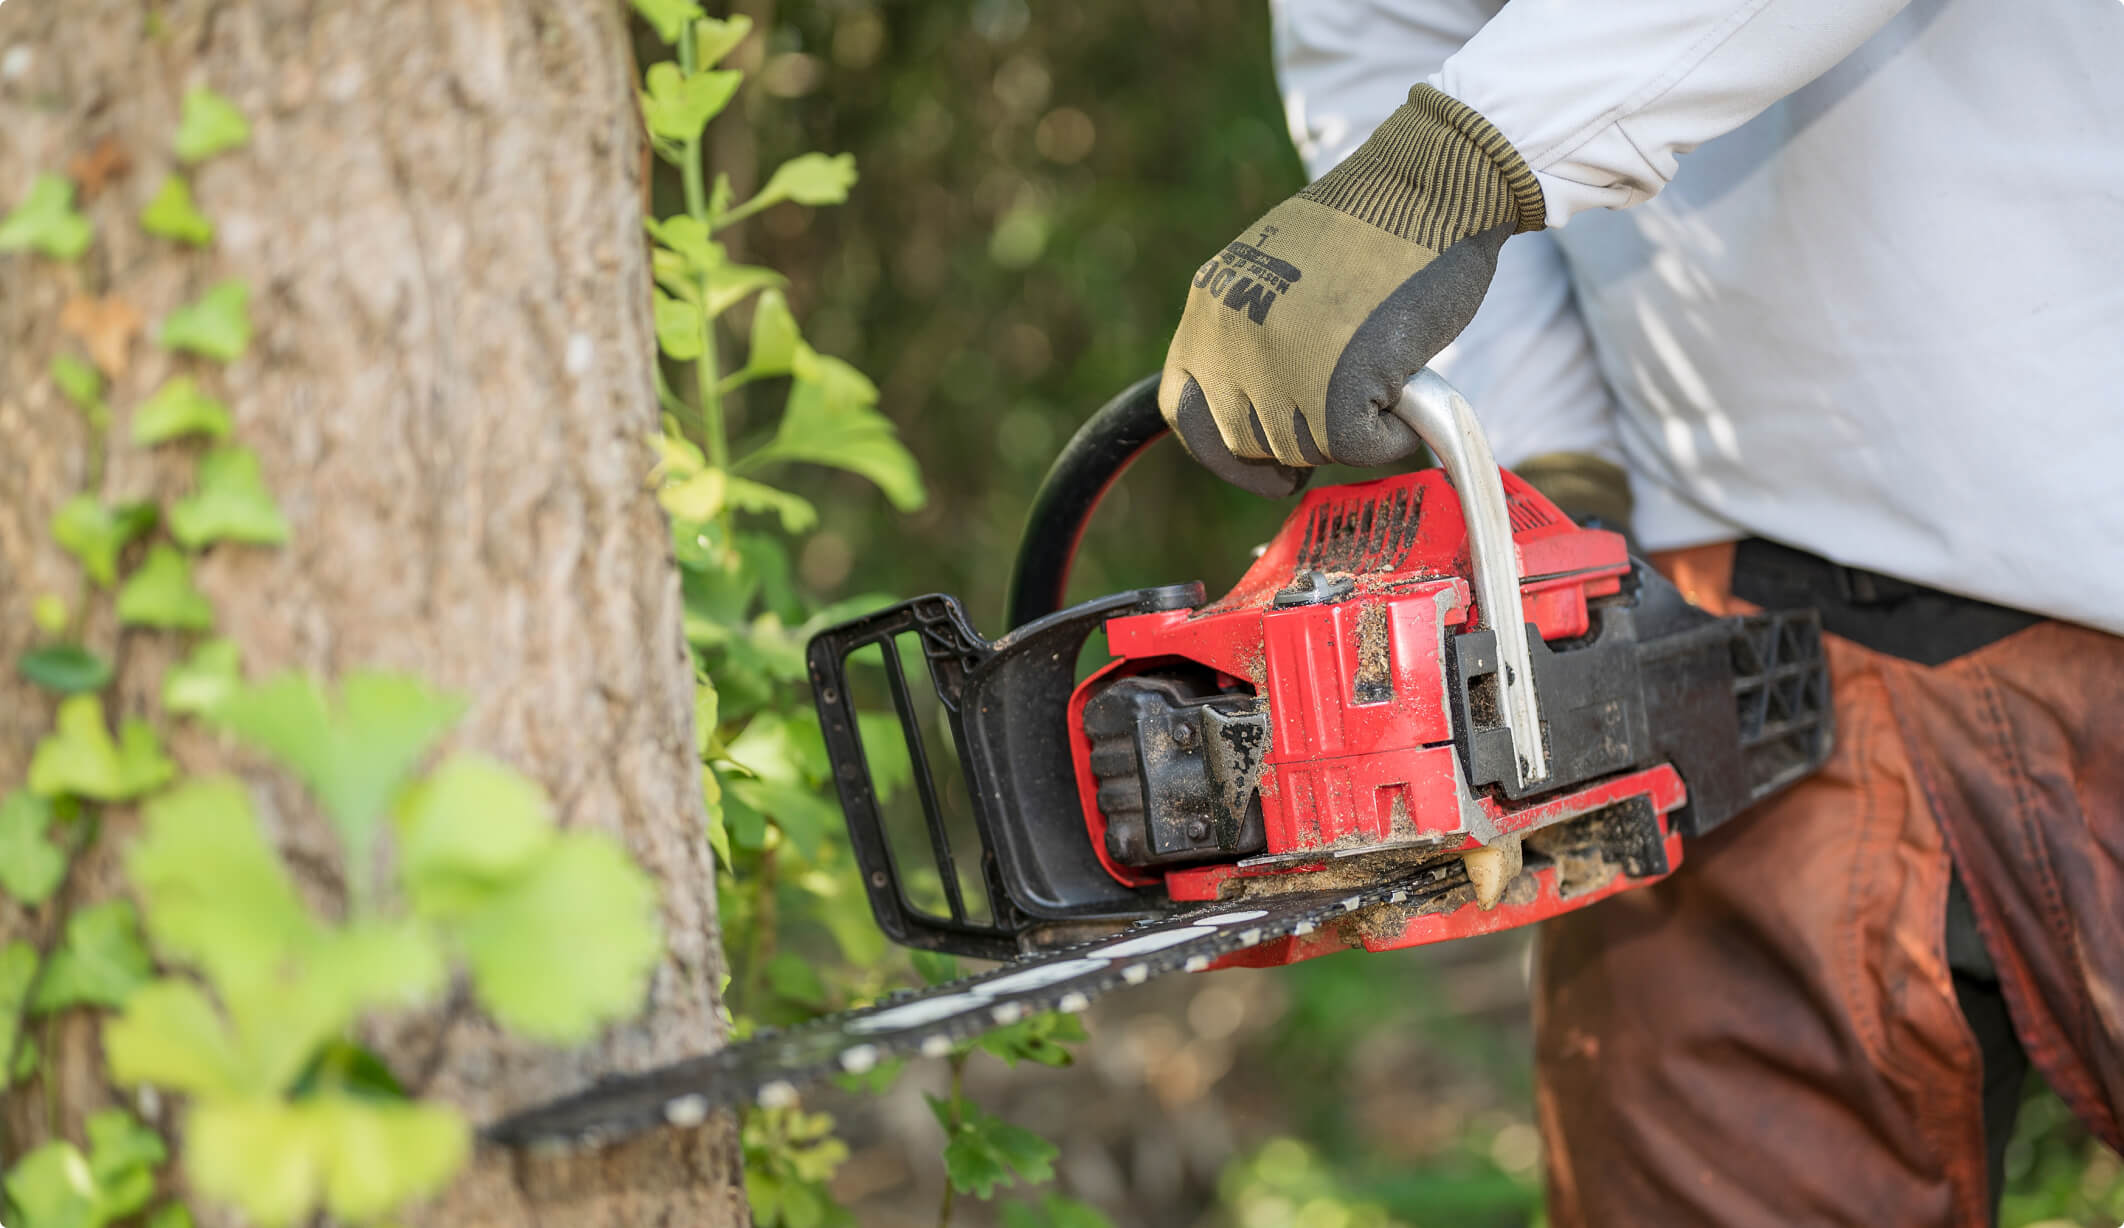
(1298, 336)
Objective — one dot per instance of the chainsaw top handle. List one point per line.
(1129, 424)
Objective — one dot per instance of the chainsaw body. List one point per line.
(1345, 711)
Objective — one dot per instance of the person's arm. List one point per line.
(1524, 361)
(1602, 99)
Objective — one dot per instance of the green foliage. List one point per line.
(172, 215)
(80, 381)
(667, 17)
(178, 409)
(229, 502)
(790, 1155)
(360, 1158)
(31, 866)
(677, 106)
(197, 685)
(161, 594)
(217, 325)
(353, 754)
(56, 1186)
(46, 221)
(79, 759)
(18, 970)
(101, 962)
(982, 1151)
(2057, 1172)
(94, 533)
(68, 669)
(49, 613)
(209, 124)
(1040, 1038)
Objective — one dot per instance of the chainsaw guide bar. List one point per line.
(768, 1068)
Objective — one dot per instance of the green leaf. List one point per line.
(161, 594)
(568, 945)
(668, 17)
(729, 285)
(984, 1151)
(715, 38)
(46, 220)
(793, 977)
(53, 1187)
(934, 967)
(30, 865)
(353, 755)
(68, 669)
(678, 327)
(677, 107)
(196, 685)
(807, 179)
(177, 409)
(229, 502)
(471, 826)
(362, 1159)
(687, 238)
(170, 1036)
(217, 325)
(718, 830)
(774, 336)
(123, 1157)
(210, 124)
(78, 757)
(95, 534)
(170, 1215)
(101, 962)
(79, 380)
(173, 215)
(49, 612)
(828, 422)
(1042, 1038)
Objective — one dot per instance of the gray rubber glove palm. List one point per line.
(1298, 336)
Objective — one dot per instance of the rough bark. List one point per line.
(449, 391)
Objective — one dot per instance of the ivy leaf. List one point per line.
(276, 1160)
(678, 327)
(668, 17)
(567, 945)
(354, 755)
(18, 967)
(196, 685)
(53, 1185)
(161, 594)
(173, 215)
(177, 409)
(171, 1036)
(30, 865)
(229, 502)
(95, 534)
(80, 381)
(715, 38)
(732, 282)
(210, 124)
(677, 107)
(774, 336)
(984, 1151)
(217, 896)
(217, 325)
(807, 179)
(469, 827)
(68, 669)
(123, 1157)
(79, 758)
(101, 962)
(46, 221)
(829, 421)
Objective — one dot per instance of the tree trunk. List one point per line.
(449, 391)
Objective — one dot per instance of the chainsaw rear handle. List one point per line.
(1126, 426)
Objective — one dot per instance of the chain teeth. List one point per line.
(768, 1068)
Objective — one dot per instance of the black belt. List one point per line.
(1880, 612)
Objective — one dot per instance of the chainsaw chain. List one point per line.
(768, 1068)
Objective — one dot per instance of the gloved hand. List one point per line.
(1298, 336)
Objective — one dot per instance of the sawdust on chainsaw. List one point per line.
(1374, 682)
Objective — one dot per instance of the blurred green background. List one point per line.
(1038, 185)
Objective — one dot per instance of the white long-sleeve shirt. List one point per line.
(1877, 313)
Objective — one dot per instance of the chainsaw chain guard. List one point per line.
(768, 1068)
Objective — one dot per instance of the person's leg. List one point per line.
(1772, 1036)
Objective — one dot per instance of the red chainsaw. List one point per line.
(1433, 707)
